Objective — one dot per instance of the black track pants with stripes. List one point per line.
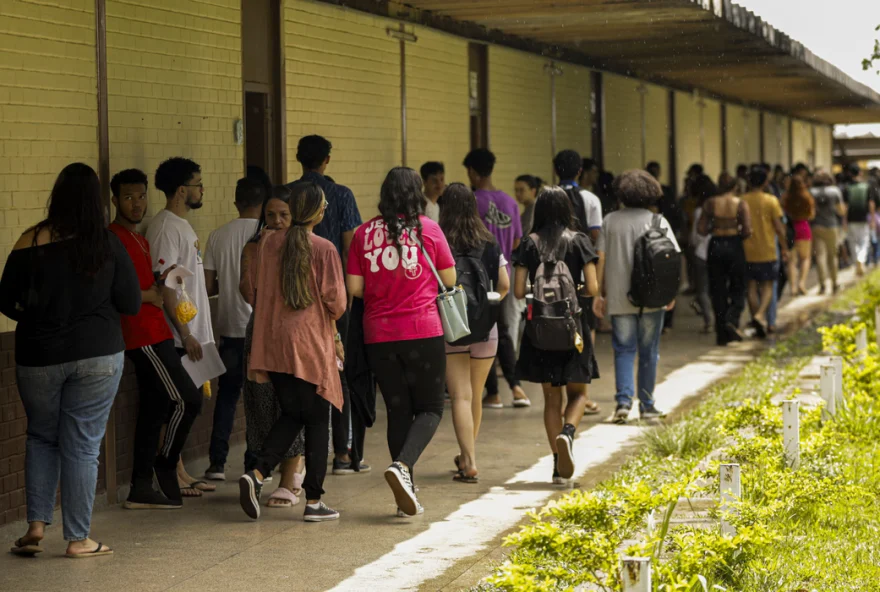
(166, 393)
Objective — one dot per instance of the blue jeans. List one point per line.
(232, 353)
(774, 300)
(67, 407)
(632, 334)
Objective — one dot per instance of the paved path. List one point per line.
(211, 545)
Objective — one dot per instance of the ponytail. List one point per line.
(306, 204)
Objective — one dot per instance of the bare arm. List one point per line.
(246, 282)
(211, 284)
(346, 245)
(594, 234)
(447, 276)
(516, 242)
(591, 281)
(782, 235)
(520, 277)
(503, 286)
(355, 285)
(703, 222)
(600, 275)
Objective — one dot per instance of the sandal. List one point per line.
(282, 494)
(466, 477)
(25, 550)
(456, 461)
(591, 408)
(189, 490)
(99, 551)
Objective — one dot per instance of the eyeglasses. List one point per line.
(326, 203)
(199, 185)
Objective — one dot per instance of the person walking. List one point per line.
(526, 188)
(467, 366)
(174, 243)
(163, 383)
(830, 209)
(634, 330)
(390, 267)
(726, 217)
(298, 295)
(799, 205)
(222, 278)
(861, 200)
(703, 189)
(763, 249)
(554, 241)
(261, 406)
(500, 214)
(65, 284)
(434, 178)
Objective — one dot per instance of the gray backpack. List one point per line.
(553, 312)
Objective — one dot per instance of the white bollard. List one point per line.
(837, 362)
(862, 340)
(635, 574)
(731, 490)
(791, 427)
(828, 388)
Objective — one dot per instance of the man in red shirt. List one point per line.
(163, 384)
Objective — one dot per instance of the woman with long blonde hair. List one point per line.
(298, 294)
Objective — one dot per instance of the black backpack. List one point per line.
(475, 280)
(553, 313)
(656, 273)
(580, 210)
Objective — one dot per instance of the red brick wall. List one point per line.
(13, 425)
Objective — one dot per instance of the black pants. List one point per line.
(232, 354)
(411, 375)
(727, 281)
(506, 358)
(163, 386)
(341, 420)
(301, 406)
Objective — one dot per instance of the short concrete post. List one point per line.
(837, 362)
(828, 388)
(731, 490)
(635, 574)
(862, 340)
(791, 428)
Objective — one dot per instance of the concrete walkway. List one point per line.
(211, 545)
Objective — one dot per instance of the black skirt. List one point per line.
(559, 368)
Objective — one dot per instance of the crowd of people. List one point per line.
(319, 310)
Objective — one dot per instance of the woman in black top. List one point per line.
(65, 283)
(467, 366)
(552, 237)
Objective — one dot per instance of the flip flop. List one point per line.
(190, 491)
(463, 477)
(25, 550)
(203, 486)
(96, 553)
(455, 461)
(285, 495)
(592, 408)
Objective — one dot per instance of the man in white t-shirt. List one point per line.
(222, 275)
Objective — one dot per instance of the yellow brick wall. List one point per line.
(802, 142)
(712, 138)
(519, 116)
(752, 139)
(174, 89)
(735, 136)
(823, 147)
(438, 125)
(48, 107)
(343, 82)
(573, 119)
(657, 129)
(623, 125)
(776, 140)
(687, 134)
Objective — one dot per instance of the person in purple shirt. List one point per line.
(500, 214)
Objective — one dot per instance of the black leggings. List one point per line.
(411, 375)
(727, 281)
(163, 386)
(301, 406)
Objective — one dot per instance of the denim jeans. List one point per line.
(232, 353)
(632, 334)
(67, 407)
(774, 300)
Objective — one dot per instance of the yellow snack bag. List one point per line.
(186, 310)
(206, 389)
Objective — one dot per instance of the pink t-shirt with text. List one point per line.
(400, 294)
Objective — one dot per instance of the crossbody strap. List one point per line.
(428, 258)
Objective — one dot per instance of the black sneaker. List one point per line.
(215, 473)
(651, 413)
(621, 413)
(400, 482)
(249, 488)
(169, 486)
(319, 513)
(150, 499)
(565, 464)
(341, 467)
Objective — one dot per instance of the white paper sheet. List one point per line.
(208, 368)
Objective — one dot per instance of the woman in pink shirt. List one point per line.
(298, 294)
(402, 328)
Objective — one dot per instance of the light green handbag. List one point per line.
(451, 303)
